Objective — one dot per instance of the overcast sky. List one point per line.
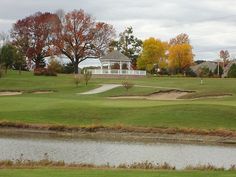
(211, 24)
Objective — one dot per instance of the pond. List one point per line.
(100, 152)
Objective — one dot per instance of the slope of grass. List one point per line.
(67, 107)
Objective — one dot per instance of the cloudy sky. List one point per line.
(211, 24)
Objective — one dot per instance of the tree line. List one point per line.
(75, 34)
(175, 55)
(78, 36)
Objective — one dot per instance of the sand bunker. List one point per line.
(42, 92)
(162, 95)
(9, 93)
(173, 95)
(12, 93)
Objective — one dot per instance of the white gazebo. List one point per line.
(116, 57)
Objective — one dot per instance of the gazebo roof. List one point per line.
(115, 56)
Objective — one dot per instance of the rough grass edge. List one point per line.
(20, 163)
(29, 164)
(118, 128)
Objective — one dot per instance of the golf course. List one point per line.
(57, 101)
(40, 101)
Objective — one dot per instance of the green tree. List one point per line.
(10, 56)
(232, 71)
(1, 73)
(18, 60)
(128, 44)
(154, 53)
(7, 56)
(220, 72)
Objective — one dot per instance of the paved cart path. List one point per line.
(103, 88)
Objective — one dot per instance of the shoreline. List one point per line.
(119, 134)
(147, 166)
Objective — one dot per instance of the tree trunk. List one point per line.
(20, 70)
(1, 70)
(76, 67)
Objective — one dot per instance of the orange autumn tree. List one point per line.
(34, 36)
(154, 53)
(81, 37)
(180, 55)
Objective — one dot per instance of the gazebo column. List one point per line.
(129, 66)
(101, 67)
(109, 67)
(120, 67)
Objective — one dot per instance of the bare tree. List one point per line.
(180, 39)
(224, 55)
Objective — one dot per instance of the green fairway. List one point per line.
(107, 173)
(65, 106)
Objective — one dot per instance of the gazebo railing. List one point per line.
(118, 72)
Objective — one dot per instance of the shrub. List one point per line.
(87, 76)
(203, 72)
(49, 72)
(44, 72)
(54, 66)
(164, 71)
(127, 85)
(68, 68)
(221, 71)
(39, 71)
(77, 80)
(211, 74)
(232, 71)
(190, 73)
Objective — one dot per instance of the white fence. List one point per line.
(118, 72)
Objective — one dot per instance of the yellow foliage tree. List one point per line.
(180, 56)
(154, 53)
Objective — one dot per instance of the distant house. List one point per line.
(208, 64)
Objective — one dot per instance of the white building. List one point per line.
(116, 57)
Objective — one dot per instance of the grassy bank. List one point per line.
(66, 107)
(108, 173)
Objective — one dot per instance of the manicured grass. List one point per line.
(67, 107)
(107, 173)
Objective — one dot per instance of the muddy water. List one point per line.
(101, 152)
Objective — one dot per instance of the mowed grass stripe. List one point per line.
(108, 173)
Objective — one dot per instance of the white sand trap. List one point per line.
(101, 89)
(168, 95)
(42, 92)
(10, 93)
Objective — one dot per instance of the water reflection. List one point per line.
(102, 152)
